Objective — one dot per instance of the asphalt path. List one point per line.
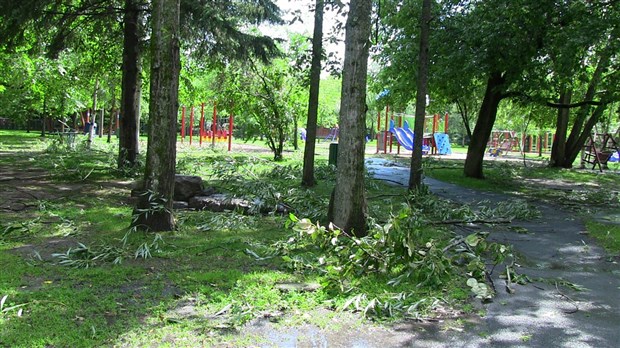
(553, 251)
(556, 253)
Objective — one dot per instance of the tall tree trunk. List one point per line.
(573, 143)
(112, 112)
(464, 116)
(95, 95)
(313, 100)
(131, 87)
(163, 109)
(348, 208)
(573, 151)
(101, 116)
(415, 175)
(44, 117)
(484, 126)
(558, 149)
(585, 120)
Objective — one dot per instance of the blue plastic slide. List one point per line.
(404, 139)
(403, 135)
(408, 130)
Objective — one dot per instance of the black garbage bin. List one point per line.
(333, 154)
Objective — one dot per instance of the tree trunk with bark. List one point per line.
(155, 206)
(574, 149)
(44, 117)
(313, 100)
(415, 174)
(585, 119)
(558, 149)
(484, 126)
(112, 112)
(129, 122)
(348, 208)
(463, 110)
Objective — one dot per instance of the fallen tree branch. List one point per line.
(475, 221)
(388, 180)
(570, 300)
(386, 195)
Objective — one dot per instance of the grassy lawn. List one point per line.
(75, 275)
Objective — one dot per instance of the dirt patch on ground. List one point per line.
(25, 190)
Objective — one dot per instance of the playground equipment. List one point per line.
(220, 129)
(404, 135)
(434, 142)
(333, 134)
(503, 142)
(599, 149)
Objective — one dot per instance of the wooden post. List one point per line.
(230, 130)
(390, 133)
(400, 125)
(182, 124)
(191, 124)
(445, 123)
(387, 110)
(202, 122)
(214, 125)
(378, 128)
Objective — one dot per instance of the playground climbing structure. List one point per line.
(396, 127)
(219, 129)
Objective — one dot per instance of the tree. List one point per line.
(496, 42)
(415, 176)
(313, 99)
(271, 95)
(565, 150)
(491, 43)
(347, 208)
(155, 205)
(585, 79)
(210, 28)
(131, 86)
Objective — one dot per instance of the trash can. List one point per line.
(333, 154)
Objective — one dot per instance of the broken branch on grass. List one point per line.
(386, 195)
(475, 221)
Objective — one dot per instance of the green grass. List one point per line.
(205, 263)
(208, 278)
(608, 235)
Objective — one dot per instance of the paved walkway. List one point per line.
(540, 314)
(543, 313)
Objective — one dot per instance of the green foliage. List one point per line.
(406, 253)
(83, 256)
(273, 98)
(5, 309)
(217, 271)
(156, 204)
(267, 184)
